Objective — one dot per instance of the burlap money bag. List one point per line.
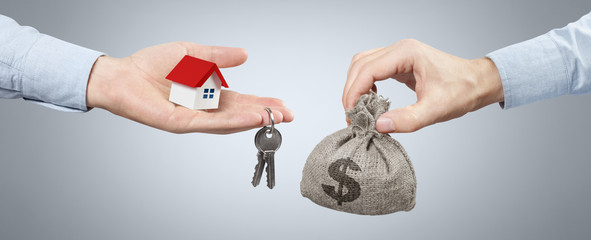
(358, 169)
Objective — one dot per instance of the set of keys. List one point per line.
(267, 140)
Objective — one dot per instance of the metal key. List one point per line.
(267, 140)
(258, 169)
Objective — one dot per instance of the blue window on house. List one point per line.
(208, 93)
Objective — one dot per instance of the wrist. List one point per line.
(100, 90)
(489, 82)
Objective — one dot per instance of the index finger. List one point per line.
(395, 61)
(358, 60)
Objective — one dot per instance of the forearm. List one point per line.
(41, 68)
(548, 66)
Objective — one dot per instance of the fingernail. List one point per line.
(385, 125)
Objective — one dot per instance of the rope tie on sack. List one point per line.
(366, 112)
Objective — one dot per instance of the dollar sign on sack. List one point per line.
(338, 171)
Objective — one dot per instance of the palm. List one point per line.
(147, 91)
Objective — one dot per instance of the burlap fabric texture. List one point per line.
(359, 170)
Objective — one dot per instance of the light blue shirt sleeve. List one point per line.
(43, 69)
(554, 64)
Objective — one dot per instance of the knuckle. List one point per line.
(415, 120)
(182, 43)
(356, 57)
(408, 44)
(278, 102)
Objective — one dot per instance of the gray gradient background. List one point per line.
(493, 174)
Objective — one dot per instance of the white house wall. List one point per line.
(212, 82)
(182, 95)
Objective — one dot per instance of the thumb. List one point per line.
(407, 119)
(222, 56)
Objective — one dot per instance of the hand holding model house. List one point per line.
(136, 87)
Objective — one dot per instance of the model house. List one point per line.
(196, 83)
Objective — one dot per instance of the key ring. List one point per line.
(272, 120)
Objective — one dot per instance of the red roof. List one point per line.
(193, 72)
